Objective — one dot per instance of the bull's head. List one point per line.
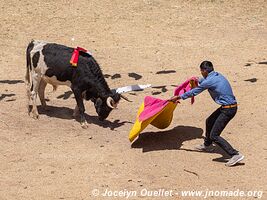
(104, 105)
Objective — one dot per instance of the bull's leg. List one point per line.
(76, 111)
(34, 90)
(78, 96)
(41, 91)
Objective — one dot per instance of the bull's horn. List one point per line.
(111, 103)
(125, 98)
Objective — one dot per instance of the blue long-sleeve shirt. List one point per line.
(218, 86)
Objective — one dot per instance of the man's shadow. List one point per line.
(173, 140)
(66, 113)
(167, 140)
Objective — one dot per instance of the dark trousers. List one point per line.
(215, 124)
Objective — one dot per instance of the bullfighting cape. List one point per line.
(158, 112)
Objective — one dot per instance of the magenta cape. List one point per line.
(158, 112)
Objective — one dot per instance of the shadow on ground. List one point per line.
(66, 113)
(66, 95)
(11, 81)
(2, 96)
(167, 140)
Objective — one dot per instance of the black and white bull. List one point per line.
(50, 63)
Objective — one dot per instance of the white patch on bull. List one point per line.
(42, 67)
(38, 46)
(53, 81)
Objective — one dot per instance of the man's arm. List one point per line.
(194, 92)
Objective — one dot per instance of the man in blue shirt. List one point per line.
(221, 92)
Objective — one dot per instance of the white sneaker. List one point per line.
(234, 160)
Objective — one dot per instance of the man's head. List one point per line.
(206, 67)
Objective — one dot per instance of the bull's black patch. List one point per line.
(116, 76)
(135, 76)
(166, 72)
(57, 58)
(49, 73)
(35, 59)
(248, 64)
(263, 63)
(252, 80)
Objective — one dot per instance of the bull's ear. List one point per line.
(116, 97)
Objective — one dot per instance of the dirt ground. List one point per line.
(54, 158)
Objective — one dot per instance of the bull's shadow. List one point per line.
(167, 140)
(11, 81)
(66, 95)
(2, 96)
(66, 113)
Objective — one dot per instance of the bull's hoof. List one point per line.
(84, 125)
(35, 116)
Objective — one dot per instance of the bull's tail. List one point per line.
(28, 82)
(27, 76)
(28, 63)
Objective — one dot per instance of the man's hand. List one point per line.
(175, 99)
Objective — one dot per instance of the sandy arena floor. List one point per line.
(54, 158)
